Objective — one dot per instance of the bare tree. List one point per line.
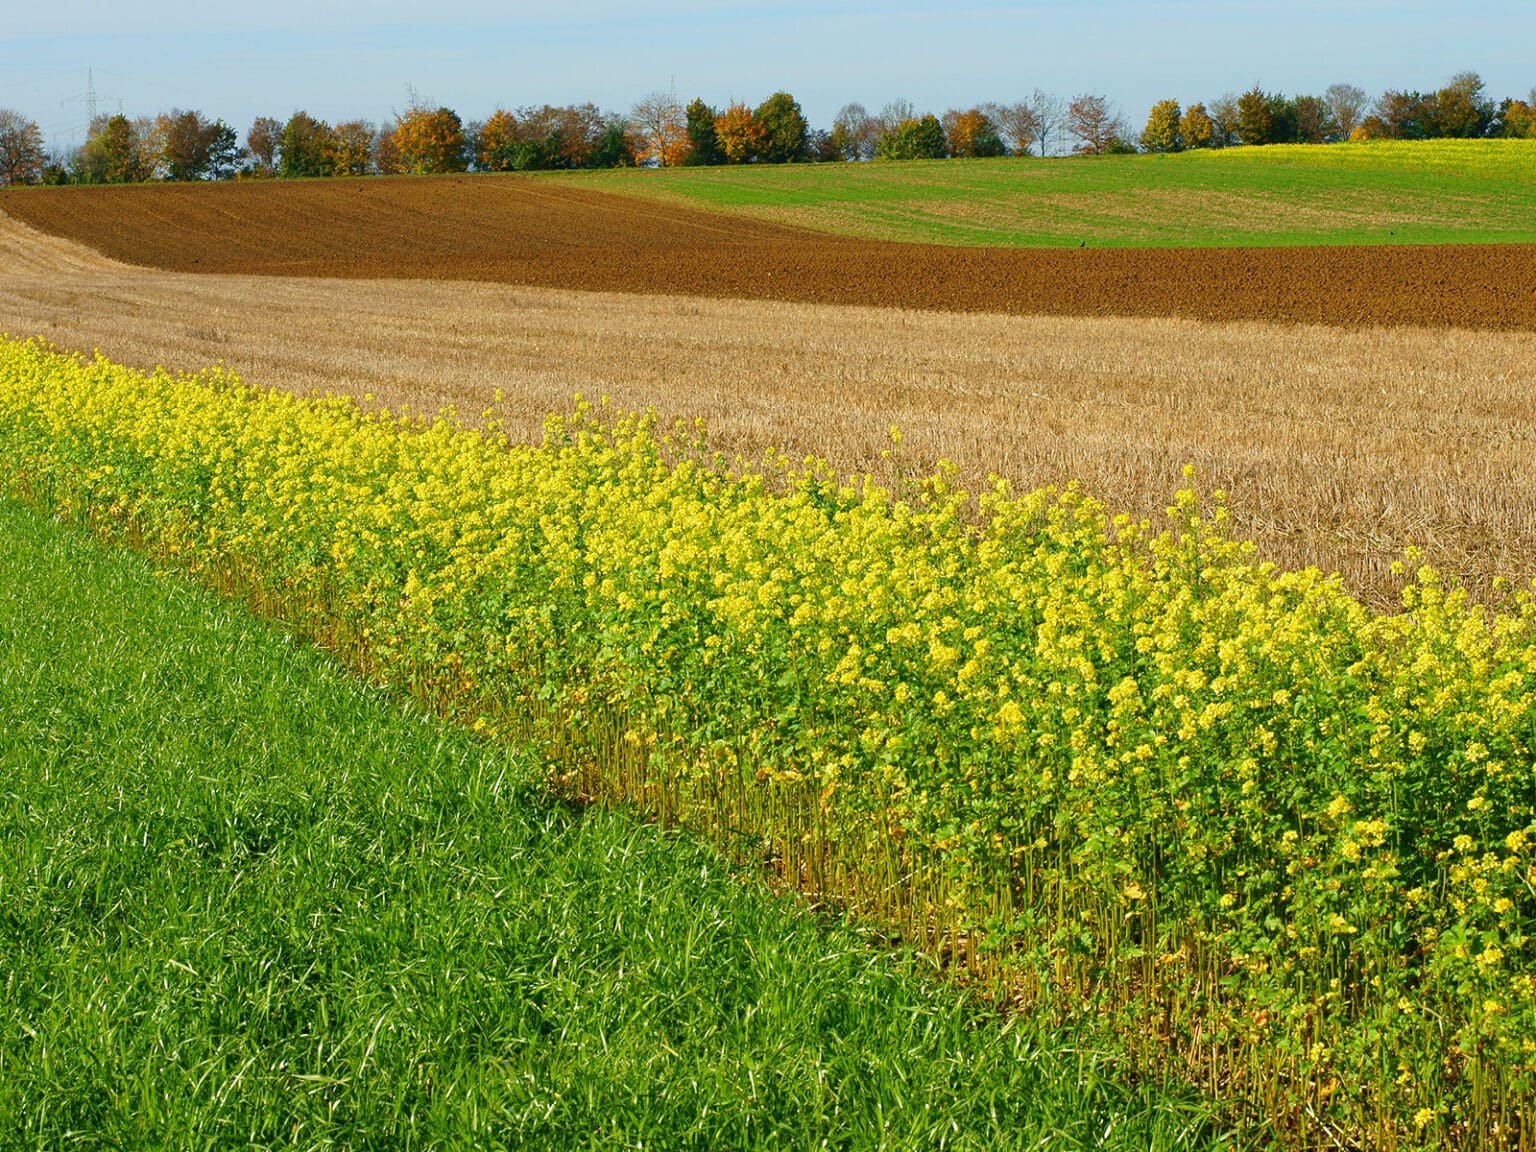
(1049, 114)
(21, 149)
(854, 132)
(663, 126)
(1018, 124)
(1346, 105)
(893, 114)
(1223, 114)
(1095, 123)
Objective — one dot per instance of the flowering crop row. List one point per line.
(1143, 779)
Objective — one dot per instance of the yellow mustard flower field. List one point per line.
(1111, 771)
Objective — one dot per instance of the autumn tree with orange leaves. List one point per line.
(431, 140)
(739, 134)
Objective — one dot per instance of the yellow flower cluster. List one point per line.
(1128, 765)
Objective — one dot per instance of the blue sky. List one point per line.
(346, 60)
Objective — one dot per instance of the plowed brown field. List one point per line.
(519, 230)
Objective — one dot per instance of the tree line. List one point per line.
(659, 130)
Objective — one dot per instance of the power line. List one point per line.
(90, 99)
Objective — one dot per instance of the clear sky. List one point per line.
(342, 61)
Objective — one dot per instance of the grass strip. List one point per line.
(247, 901)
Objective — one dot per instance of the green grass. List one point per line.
(1435, 192)
(248, 902)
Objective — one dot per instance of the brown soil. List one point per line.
(517, 230)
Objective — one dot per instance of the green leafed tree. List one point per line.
(915, 138)
(784, 129)
(1162, 133)
(195, 148)
(615, 147)
(306, 147)
(703, 141)
(116, 152)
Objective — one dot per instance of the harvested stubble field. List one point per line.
(1340, 445)
(518, 230)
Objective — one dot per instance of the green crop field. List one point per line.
(1435, 192)
(246, 901)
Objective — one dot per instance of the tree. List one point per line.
(1255, 117)
(615, 147)
(190, 147)
(1162, 132)
(263, 141)
(22, 158)
(1400, 115)
(386, 154)
(820, 148)
(915, 138)
(1196, 129)
(537, 138)
(1095, 124)
(894, 112)
(971, 133)
(353, 148)
(784, 129)
(578, 132)
(225, 155)
(57, 168)
(1346, 107)
(1462, 108)
(1517, 118)
(115, 152)
(854, 132)
(431, 140)
(1016, 124)
(495, 142)
(741, 137)
(1313, 124)
(1049, 113)
(306, 147)
(1284, 127)
(663, 129)
(703, 142)
(1223, 113)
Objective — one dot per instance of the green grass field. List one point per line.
(1436, 192)
(247, 902)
